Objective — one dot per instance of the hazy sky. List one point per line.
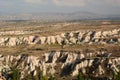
(36, 6)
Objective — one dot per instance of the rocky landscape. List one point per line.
(75, 37)
(99, 63)
(90, 53)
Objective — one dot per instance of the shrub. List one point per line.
(51, 78)
(45, 78)
(80, 76)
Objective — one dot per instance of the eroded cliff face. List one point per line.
(75, 37)
(97, 64)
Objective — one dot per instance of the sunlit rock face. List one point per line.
(97, 63)
(75, 37)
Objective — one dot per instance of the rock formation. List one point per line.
(75, 37)
(98, 63)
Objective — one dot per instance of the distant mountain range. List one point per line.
(59, 16)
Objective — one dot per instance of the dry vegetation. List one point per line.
(40, 49)
(58, 27)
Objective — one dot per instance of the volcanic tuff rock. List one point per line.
(95, 63)
(75, 37)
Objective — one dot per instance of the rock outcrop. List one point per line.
(97, 63)
(75, 37)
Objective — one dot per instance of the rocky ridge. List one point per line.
(98, 63)
(75, 37)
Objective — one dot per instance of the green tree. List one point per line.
(40, 75)
(80, 76)
(15, 75)
(117, 77)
